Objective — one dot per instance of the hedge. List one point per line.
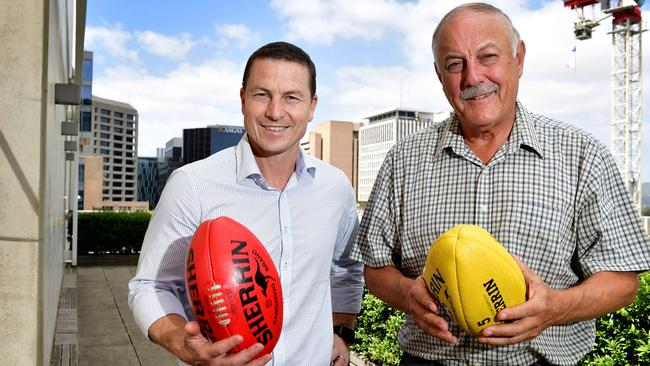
(622, 337)
(111, 232)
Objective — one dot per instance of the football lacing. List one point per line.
(216, 302)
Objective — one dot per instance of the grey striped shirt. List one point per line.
(551, 195)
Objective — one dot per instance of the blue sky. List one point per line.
(179, 63)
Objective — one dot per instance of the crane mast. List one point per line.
(626, 103)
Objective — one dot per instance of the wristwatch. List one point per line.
(346, 333)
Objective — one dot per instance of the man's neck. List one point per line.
(277, 169)
(485, 142)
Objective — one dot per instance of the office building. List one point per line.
(40, 72)
(336, 143)
(199, 143)
(148, 180)
(378, 136)
(169, 159)
(115, 139)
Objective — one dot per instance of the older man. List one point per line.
(301, 209)
(549, 192)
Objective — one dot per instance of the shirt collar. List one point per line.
(247, 168)
(523, 134)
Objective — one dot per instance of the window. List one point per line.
(104, 151)
(117, 161)
(118, 145)
(129, 192)
(104, 143)
(106, 160)
(118, 114)
(118, 137)
(106, 112)
(105, 128)
(117, 169)
(117, 176)
(117, 184)
(86, 121)
(129, 177)
(130, 117)
(119, 130)
(128, 170)
(87, 69)
(105, 120)
(106, 191)
(130, 125)
(105, 135)
(117, 192)
(118, 122)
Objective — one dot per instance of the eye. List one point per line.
(292, 98)
(489, 58)
(455, 66)
(260, 95)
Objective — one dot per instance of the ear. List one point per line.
(312, 107)
(435, 66)
(521, 54)
(242, 98)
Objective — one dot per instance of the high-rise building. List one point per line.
(148, 180)
(169, 159)
(336, 143)
(199, 143)
(379, 135)
(115, 139)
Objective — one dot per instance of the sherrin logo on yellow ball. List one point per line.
(475, 277)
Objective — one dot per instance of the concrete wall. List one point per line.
(93, 182)
(32, 175)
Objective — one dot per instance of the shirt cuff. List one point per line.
(152, 306)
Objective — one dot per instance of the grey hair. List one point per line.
(480, 8)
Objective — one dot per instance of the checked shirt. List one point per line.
(552, 195)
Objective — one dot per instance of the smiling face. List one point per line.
(477, 68)
(277, 105)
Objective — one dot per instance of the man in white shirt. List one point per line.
(301, 209)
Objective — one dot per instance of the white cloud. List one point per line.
(192, 95)
(175, 47)
(240, 34)
(112, 39)
(322, 21)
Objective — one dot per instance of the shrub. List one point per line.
(623, 337)
(111, 232)
(377, 327)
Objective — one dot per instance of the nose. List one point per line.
(472, 74)
(274, 110)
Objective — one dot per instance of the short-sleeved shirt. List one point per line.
(552, 195)
(308, 228)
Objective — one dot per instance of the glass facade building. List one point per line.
(199, 143)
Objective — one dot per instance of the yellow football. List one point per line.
(475, 277)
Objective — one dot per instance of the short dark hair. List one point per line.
(286, 52)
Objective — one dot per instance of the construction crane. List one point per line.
(626, 82)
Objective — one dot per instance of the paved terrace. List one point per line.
(94, 324)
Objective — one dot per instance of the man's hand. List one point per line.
(424, 309)
(340, 352)
(526, 321)
(184, 339)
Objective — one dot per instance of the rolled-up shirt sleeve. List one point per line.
(158, 287)
(346, 273)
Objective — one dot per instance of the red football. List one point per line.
(233, 285)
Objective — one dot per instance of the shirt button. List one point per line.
(483, 208)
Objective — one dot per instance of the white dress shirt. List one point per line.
(308, 229)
